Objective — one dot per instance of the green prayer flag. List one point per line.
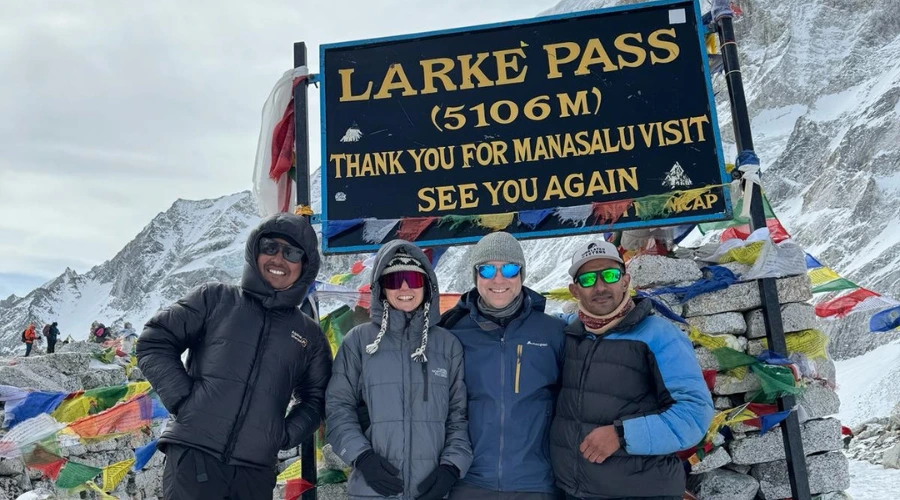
(331, 476)
(835, 285)
(75, 474)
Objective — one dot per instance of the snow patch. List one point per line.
(867, 384)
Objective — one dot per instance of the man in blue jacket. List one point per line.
(513, 354)
(632, 392)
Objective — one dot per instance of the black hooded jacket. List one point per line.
(251, 351)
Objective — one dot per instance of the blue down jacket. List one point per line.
(512, 377)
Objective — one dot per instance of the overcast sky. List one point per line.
(110, 111)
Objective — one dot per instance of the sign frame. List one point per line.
(694, 8)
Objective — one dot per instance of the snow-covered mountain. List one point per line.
(823, 87)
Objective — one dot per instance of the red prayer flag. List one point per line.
(296, 487)
(610, 212)
(413, 227)
(709, 376)
(844, 304)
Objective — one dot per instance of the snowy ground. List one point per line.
(868, 387)
(873, 482)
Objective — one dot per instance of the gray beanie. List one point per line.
(499, 246)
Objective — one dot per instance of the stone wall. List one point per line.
(753, 464)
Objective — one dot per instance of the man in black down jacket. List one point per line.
(632, 391)
(251, 350)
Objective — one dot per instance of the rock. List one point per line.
(739, 468)
(332, 491)
(106, 445)
(745, 296)
(672, 302)
(330, 459)
(891, 457)
(818, 400)
(136, 375)
(648, 271)
(827, 472)
(727, 384)
(794, 317)
(723, 484)
(286, 454)
(817, 436)
(706, 359)
(735, 267)
(722, 403)
(731, 323)
(79, 347)
(54, 373)
(10, 467)
(716, 459)
(895, 417)
(115, 375)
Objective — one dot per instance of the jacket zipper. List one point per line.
(425, 377)
(407, 419)
(251, 383)
(518, 365)
(502, 410)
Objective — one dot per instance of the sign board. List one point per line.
(586, 122)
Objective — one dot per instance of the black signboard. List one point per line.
(586, 122)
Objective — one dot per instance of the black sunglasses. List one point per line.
(290, 253)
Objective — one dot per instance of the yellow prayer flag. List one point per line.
(560, 294)
(811, 343)
(115, 473)
(821, 275)
(496, 222)
(100, 493)
(291, 472)
(71, 410)
(135, 388)
(746, 254)
(712, 47)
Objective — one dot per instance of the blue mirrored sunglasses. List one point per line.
(508, 270)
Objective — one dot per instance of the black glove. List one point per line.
(379, 474)
(438, 483)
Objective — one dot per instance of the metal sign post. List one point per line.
(301, 147)
(771, 307)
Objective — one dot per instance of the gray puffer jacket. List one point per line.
(417, 408)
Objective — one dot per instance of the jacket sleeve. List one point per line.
(457, 447)
(687, 419)
(342, 429)
(309, 395)
(165, 337)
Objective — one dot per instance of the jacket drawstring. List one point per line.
(419, 354)
(373, 347)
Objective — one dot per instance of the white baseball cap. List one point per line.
(592, 251)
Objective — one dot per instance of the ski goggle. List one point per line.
(290, 253)
(489, 271)
(394, 281)
(589, 279)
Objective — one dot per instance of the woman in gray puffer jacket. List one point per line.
(408, 374)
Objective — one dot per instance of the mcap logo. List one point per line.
(299, 338)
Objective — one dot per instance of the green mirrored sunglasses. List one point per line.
(589, 279)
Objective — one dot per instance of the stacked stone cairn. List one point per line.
(75, 367)
(748, 464)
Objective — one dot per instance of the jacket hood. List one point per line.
(298, 229)
(381, 260)
(642, 308)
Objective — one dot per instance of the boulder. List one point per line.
(721, 484)
(795, 317)
(650, 271)
(731, 323)
(827, 472)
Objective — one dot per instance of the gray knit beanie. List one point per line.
(499, 246)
